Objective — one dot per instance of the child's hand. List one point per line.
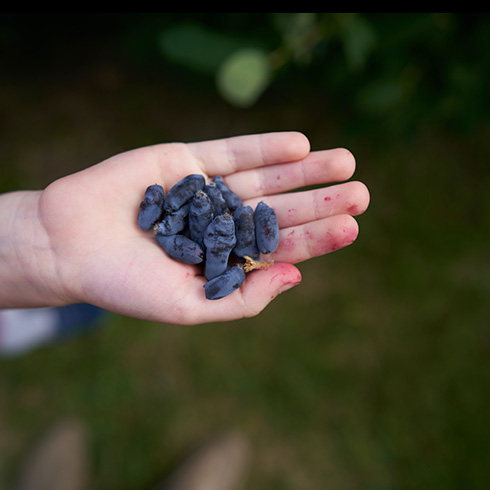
(102, 257)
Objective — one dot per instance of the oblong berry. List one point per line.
(151, 207)
(173, 222)
(219, 240)
(224, 284)
(183, 191)
(266, 228)
(181, 248)
(219, 203)
(245, 233)
(200, 215)
(232, 200)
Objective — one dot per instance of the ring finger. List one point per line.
(302, 207)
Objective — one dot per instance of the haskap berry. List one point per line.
(173, 222)
(232, 200)
(181, 248)
(183, 191)
(246, 244)
(201, 213)
(266, 228)
(219, 203)
(225, 284)
(151, 207)
(219, 240)
(206, 223)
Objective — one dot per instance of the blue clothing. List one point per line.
(23, 330)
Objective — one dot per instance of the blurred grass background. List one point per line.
(374, 373)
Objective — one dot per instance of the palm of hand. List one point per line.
(103, 257)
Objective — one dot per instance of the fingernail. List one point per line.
(288, 285)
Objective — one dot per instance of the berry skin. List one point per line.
(232, 200)
(219, 240)
(181, 248)
(224, 284)
(245, 233)
(219, 203)
(174, 222)
(266, 228)
(183, 191)
(151, 207)
(200, 215)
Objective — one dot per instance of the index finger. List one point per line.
(229, 155)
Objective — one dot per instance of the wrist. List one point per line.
(27, 263)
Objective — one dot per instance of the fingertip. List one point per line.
(263, 285)
(361, 196)
(276, 276)
(302, 143)
(285, 146)
(285, 277)
(346, 163)
(348, 231)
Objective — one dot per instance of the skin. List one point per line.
(78, 241)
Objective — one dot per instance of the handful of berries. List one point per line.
(199, 222)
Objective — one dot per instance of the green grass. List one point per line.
(372, 374)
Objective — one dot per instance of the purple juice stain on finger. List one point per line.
(353, 209)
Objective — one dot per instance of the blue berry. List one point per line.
(204, 223)
(181, 248)
(219, 203)
(151, 207)
(219, 240)
(232, 200)
(200, 215)
(224, 284)
(183, 191)
(245, 233)
(173, 222)
(266, 228)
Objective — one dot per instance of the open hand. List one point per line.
(103, 258)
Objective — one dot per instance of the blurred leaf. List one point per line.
(293, 25)
(294, 29)
(358, 40)
(197, 47)
(243, 76)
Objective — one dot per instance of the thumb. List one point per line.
(261, 286)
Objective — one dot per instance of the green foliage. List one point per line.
(398, 70)
(241, 70)
(197, 47)
(243, 76)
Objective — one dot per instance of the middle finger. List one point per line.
(320, 167)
